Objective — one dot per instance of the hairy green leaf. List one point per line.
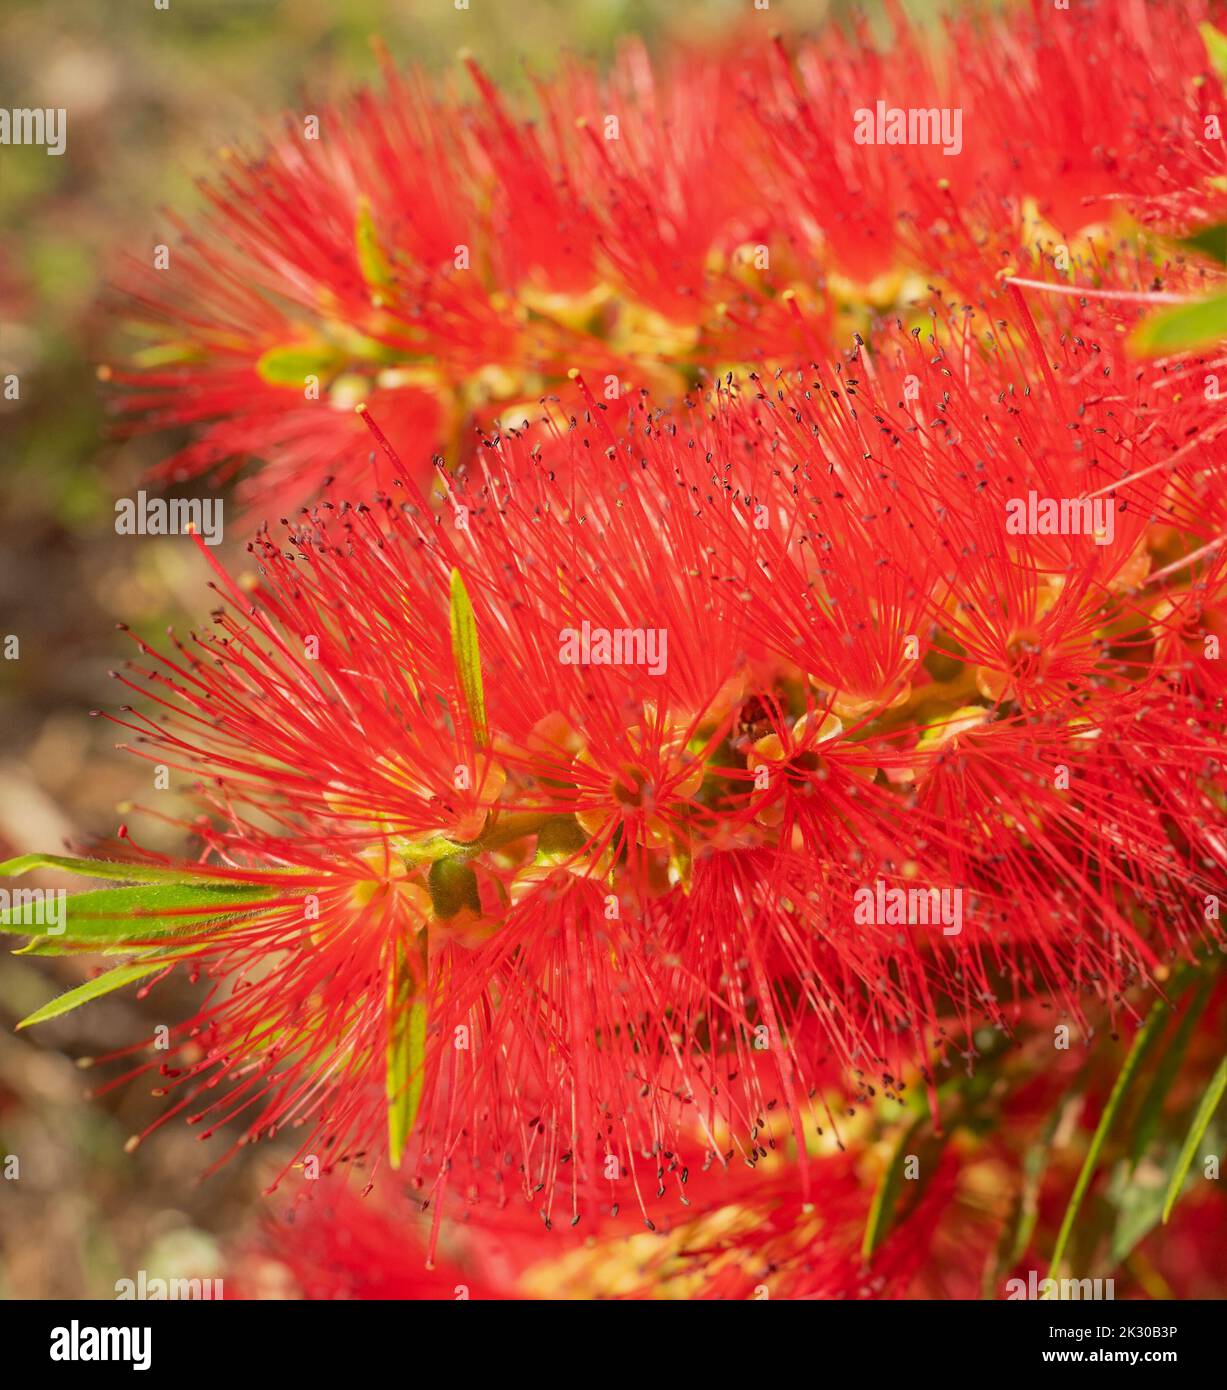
(109, 917)
(102, 868)
(93, 989)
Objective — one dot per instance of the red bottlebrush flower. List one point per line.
(448, 261)
(752, 1236)
(346, 1247)
(655, 242)
(1049, 153)
(445, 262)
(1098, 105)
(843, 197)
(794, 743)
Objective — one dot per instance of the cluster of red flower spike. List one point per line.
(687, 358)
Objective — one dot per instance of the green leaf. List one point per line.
(1147, 1120)
(93, 989)
(1137, 1197)
(1016, 1234)
(110, 917)
(407, 1017)
(1201, 1120)
(1144, 1040)
(102, 868)
(467, 656)
(376, 268)
(1208, 241)
(1182, 327)
(1216, 48)
(886, 1197)
(292, 364)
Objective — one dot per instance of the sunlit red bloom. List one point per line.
(449, 261)
(446, 261)
(1066, 121)
(585, 939)
(614, 914)
(972, 1212)
(748, 1236)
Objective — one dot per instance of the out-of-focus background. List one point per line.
(152, 93)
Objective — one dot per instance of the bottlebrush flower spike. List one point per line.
(899, 1208)
(660, 760)
(442, 261)
(448, 261)
(747, 1235)
(1113, 101)
(345, 1246)
(1043, 166)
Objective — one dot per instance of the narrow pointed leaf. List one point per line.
(111, 916)
(127, 871)
(408, 1016)
(1017, 1233)
(1201, 1121)
(1147, 1120)
(1182, 327)
(886, 1197)
(1210, 242)
(1144, 1040)
(292, 364)
(100, 868)
(467, 656)
(1216, 48)
(375, 266)
(93, 989)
